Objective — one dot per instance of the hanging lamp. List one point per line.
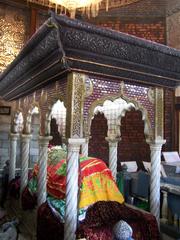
(88, 7)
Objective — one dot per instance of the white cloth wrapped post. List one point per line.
(13, 149)
(25, 140)
(72, 188)
(42, 174)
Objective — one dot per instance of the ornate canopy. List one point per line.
(63, 45)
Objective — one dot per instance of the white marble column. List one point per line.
(72, 188)
(155, 148)
(25, 145)
(42, 174)
(85, 147)
(13, 148)
(113, 146)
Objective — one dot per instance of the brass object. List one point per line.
(159, 113)
(75, 104)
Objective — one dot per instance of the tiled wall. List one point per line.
(150, 29)
(173, 32)
(98, 146)
(132, 145)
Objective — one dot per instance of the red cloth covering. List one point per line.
(96, 181)
(100, 219)
(103, 214)
(28, 201)
(48, 225)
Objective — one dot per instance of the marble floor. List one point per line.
(4, 218)
(23, 237)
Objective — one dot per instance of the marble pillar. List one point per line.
(25, 145)
(42, 174)
(85, 147)
(13, 149)
(155, 148)
(72, 188)
(113, 146)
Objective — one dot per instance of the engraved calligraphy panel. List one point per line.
(13, 25)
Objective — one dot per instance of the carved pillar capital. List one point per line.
(156, 145)
(26, 137)
(14, 136)
(75, 143)
(44, 140)
(113, 140)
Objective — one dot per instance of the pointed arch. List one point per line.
(33, 109)
(116, 106)
(57, 110)
(17, 123)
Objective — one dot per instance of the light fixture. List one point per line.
(88, 7)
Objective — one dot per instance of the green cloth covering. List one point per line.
(56, 155)
(62, 170)
(142, 205)
(120, 182)
(32, 185)
(59, 205)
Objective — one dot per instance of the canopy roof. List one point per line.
(62, 45)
